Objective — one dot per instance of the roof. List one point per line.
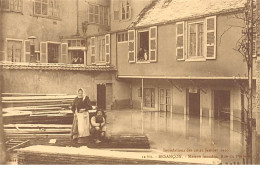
(48, 66)
(163, 11)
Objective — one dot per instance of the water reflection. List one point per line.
(178, 131)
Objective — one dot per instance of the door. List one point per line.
(165, 100)
(101, 96)
(194, 114)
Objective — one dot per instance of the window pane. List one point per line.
(153, 33)
(44, 9)
(153, 44)
(37, 8)
(131, 46)
(73, 43)
(180, 41)
(131, 56)
(200, 39)
(153, 55)
(107, 49)
(179, 53)
(78, 43)
(131, 35)
(119, 37)
(96, 10)
(192, 45)
(126, 36)
(210, 38)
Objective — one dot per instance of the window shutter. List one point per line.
(211, 37)
(107, 48)
(180, 41)
(64, 53)
(27, 51)
(131, 46)
(153, 44)
(44, 52)
(93, 50)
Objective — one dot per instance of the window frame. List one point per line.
(196, 57)
(20, 2)
(22, 48)
(154, 97)
(138, 44)
(102, 15)
(205, 44)
(123, 5)
(48, 15)
(125, 33)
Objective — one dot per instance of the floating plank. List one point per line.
(31, 94)
(36, 126)
(71, 97)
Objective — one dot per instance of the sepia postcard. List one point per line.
(129, 82)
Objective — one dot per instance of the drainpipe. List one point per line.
(77, 17)
(142, 95)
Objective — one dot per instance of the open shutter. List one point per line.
(92, 50)
(131, 46)
(211, 37)
(107, 48)
(27, 51)
(64, 53)
(153, 44)
(180, 41)
(44, 52)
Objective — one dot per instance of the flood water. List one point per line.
(177, 134)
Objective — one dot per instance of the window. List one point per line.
(76, 43)
(196, 40)
(149, 97)
(98, 14)
(122, 37)
(48, 8)
(14, 50)
(125, 10)
(100, 49)
(53, 52)
(143, 46)
(76, 56)
(146, 45)
(11, 5)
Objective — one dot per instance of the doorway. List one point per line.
(222, 118)
(193, 114)
(101, 96)
(165, 100)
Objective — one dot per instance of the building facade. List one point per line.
(153, 55)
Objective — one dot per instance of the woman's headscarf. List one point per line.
(83, 93)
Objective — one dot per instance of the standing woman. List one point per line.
(81, 126)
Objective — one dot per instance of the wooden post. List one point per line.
(2, 142)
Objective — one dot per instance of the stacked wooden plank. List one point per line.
(71, 155)
(37, 108)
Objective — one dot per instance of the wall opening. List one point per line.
(222, 118)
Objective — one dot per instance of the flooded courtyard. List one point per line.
(178, 134)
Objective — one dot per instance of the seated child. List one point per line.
(98, 123)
